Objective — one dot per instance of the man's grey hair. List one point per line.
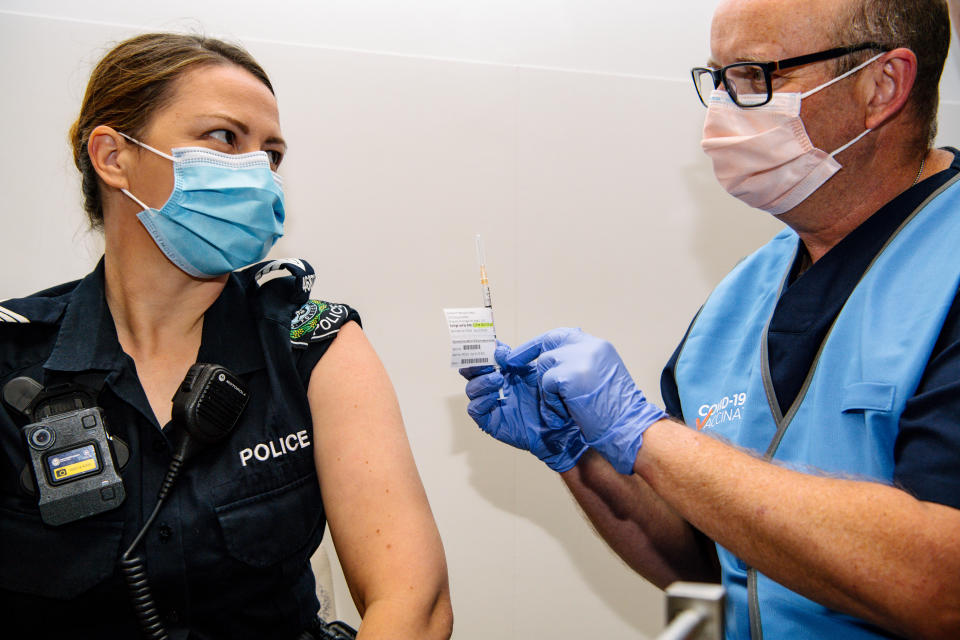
(923, 26)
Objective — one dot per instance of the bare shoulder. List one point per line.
(350, 387)
(350, 357)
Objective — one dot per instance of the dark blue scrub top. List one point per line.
(927, 451)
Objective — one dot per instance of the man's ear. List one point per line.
(104, 148)
(888, 85)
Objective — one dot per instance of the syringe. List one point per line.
(485, 293)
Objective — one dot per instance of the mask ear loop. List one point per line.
(837, 79)
(135, 199)
(148, 148)
(851, 143)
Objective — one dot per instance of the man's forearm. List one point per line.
(863, 548)
(639, 526)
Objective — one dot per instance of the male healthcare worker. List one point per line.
(818, 472)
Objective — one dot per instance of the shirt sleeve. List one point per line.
(668, 386)
(927, 450)
(668, 379)
(314, 327)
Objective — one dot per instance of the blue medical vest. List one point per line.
(846, 417)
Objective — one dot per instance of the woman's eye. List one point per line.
(275, 157)
(223, 135)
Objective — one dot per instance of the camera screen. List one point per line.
(64, 466)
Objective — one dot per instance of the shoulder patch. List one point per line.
(317, 320)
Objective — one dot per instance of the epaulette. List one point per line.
(45, 307)
(284, 287)
(9, 315)
(278, 286)
(318, 320)
(300, 269)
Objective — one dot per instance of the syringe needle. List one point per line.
(480, 257)
(484, 282)
(485, 293)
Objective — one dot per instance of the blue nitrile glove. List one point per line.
(583, 378)
(516, 420)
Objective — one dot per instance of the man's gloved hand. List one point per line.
(516, 420)
(583, 378)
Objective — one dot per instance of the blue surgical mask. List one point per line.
(225, 212)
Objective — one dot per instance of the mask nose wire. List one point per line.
(276, 176)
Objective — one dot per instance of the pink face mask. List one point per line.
(763, 155)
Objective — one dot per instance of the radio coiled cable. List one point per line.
(134, 567)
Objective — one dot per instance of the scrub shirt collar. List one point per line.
(87, 339)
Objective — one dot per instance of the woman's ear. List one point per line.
(105, 148)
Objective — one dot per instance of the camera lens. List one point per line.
(41, 438)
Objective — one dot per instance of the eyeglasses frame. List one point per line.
(720, 75)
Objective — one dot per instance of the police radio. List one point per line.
(74, 461)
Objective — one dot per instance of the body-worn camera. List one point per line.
(72, 466)
(71, 459)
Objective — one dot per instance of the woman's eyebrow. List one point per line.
(243, 127)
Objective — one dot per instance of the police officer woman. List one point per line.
(178, 141)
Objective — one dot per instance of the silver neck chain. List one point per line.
(920, 173)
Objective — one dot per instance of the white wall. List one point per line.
(566, 132)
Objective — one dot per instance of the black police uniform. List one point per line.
(228, 555)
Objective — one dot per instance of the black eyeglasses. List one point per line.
(748, 83)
